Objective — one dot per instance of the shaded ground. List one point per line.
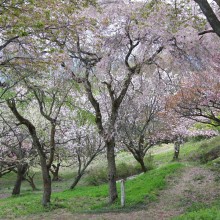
(181, 193)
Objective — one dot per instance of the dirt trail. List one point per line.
(181, 193)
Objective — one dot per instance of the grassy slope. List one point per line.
(202, 211)
(140, 190)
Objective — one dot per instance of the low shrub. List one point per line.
(97, 176)
(206, 156)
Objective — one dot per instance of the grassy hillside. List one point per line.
(201, 212)
(92, 193)
(139, 190)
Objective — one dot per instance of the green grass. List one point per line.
(202, 212)
(140, 190)
(188, 152)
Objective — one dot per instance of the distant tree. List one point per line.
(139, 117)
(86, 147)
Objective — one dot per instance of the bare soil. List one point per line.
(180, 194)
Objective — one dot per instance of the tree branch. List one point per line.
(210, 15)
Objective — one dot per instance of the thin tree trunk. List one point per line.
(113, 195)
(76, 180)
(81, 170)
(30, 180)
(32, 184)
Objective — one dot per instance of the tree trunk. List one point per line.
(30, 180)
(55, 172)
(32, 184)
(17, 186)
(36, 142)
(22, 168)
(176, 151)
(113, 195)
(46, 182)
(143, 167)
(76, 180)
(210, 15)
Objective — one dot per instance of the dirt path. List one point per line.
(182, 192)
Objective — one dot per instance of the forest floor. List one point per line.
(195, 185)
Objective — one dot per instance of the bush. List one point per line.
(97, 176)
(210, 155)
(125, 170)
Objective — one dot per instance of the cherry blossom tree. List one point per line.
(16, 152)
(105, 58)
(86, 147)
(139, 116)
(49, 97)
(198, 97)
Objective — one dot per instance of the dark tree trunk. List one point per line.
(141, 162)
(17, 186)
(76, 180)
(176, 151)
(113, 195)
(46, 182)
(210, 14)
(22, 168)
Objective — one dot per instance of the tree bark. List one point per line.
(46, 182)
(113, 195)
(176, 151)
(143, 167)
(76, 180)
(17, 186)
(210, 15)
(22, 168)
